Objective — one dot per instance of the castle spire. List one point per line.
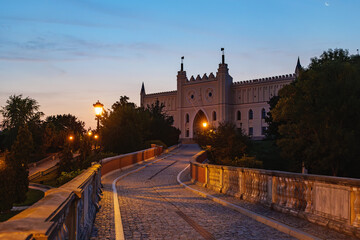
(298, 67)
(182, 64)
(142, 89)
(223, 55)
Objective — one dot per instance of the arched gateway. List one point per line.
(199, 119)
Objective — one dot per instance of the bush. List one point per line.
(157, 142)
(7, 188)
(67, 176)
(248, 162)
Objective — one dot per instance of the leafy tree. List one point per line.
(225, 144)
(7, 186)
(58, 128)
(318, 116)
(18, 161)
(66, 159)
(160, 126)
(18, 112)
(122, 127)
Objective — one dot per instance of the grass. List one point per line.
(49, 179)
(32, 196)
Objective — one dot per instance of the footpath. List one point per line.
(151, 204)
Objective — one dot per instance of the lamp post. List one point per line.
(98, 107)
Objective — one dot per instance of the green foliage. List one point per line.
(223, 144)
(157, 142)
(18, 160)
(7, 187)
(58, 128)
(126, 128)
(248, 162)
(18, 112)
(32, 196)
(66, 159)
(318, 116)
(67, 176)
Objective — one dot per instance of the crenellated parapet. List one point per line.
(204, 78)
(290, 76)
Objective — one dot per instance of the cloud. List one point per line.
(327, 4)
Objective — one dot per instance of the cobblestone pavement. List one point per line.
(154, 206)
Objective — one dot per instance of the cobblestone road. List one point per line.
(154, 206)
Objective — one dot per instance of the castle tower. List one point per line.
(181, 80)
(142, 95)
(224, 85)
(298, 68)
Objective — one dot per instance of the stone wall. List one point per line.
(66, 212)
(125, 160)
(325, 200)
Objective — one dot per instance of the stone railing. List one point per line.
(66, 212)
(125, 160)
(325, 200)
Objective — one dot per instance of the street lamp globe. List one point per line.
(204, 124)
(98, 107)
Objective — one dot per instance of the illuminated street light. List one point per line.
(89, 133)
(99, 108)
(96, 136)
(204, 124)
(71, 137)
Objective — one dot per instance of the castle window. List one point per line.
(210, 94)
(238, 115)
(214, 116)
(263, 130)
(187, 118)
(263, 114)
(251, 114)
(251, 131)
(187, 132)
(192, 96)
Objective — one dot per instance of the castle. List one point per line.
(216, 98)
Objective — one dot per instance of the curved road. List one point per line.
(154, 206)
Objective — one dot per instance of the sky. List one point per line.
(68, 54)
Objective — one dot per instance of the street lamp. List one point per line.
(98, 107)
(71, 137)
(204, 124)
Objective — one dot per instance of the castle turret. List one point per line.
(224, 86)
(298, 68)
(142, 95)
(181, 79)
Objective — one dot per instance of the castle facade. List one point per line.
(212, 99)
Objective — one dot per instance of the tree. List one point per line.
(225, 144)
(318, 116)
(58, 128)
(18, 112)
(7, 187)
(160, 126)
(18, 161)
(122, 127)
(66, 159)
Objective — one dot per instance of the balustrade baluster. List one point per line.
(356, 205)
(308, 185)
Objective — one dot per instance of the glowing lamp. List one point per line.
(89, 133)
(98, 107)
(71, 138)
(204, 124)
(96, 136)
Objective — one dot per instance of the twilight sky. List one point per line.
(67, 54)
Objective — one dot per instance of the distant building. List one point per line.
(216, 98)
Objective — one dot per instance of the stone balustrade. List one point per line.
(325, 200)
(66, 212)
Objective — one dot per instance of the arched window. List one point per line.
(251, 114)
(238, 115)
(187, 118)
(263, 114)
(214, 116)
